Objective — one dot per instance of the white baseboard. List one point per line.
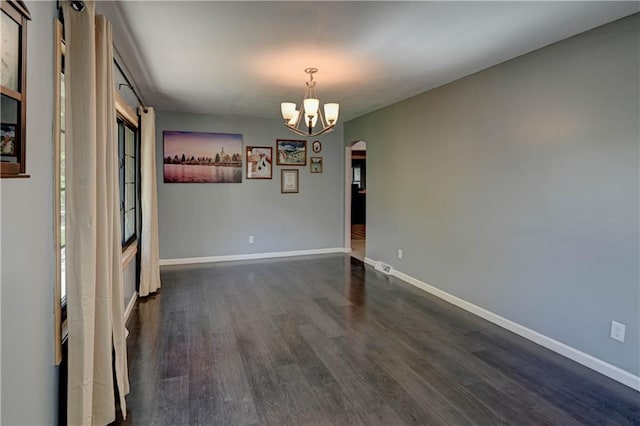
(130, 306)
(251, 256)
(596, 364)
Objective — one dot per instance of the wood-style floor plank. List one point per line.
(326, 340)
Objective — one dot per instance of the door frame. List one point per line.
(347, 193)
(347, 198)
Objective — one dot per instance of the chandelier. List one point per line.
(310, 111)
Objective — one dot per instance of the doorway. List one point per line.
(356, 202)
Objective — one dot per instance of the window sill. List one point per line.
(12, 176)
(129, 253)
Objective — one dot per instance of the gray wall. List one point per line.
(516, 189)
(29, 378)
(199, 219)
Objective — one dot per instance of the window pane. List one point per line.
(63, 164)
(130, 196)
(129, 138)
(356, 174)
(62, 103)
(63, 277)
(129, 224)
(130, 170)
(128, 179)
(10, 48)
(63, 206)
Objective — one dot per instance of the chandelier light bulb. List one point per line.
(331, 112)
(311, 106)
(293, 120)
(287, 108)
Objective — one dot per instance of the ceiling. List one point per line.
(242, 59)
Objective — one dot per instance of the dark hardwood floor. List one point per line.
(324, 340)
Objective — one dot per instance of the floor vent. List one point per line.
(383, 267)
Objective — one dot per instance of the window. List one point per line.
(128, 152)
(356, 176)
(128, 183)
(59, 138)
(62, 193)
(13, 88)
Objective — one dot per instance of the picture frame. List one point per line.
(316, 147)
(289, 181)
(315, 165)
(198, 157)
(259, 162)
(291, 152)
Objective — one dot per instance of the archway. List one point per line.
(355, 198)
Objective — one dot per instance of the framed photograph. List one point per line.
(8, 140)
(289, 181)
(316, 147)
(194, 157)
(291, 152)
(315, 164)
(259, 163)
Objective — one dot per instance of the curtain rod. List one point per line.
(129, 85)
(79, 6)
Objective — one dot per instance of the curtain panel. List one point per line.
(149, 251)
(95, 308)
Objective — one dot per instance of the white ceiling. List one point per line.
(244, 58)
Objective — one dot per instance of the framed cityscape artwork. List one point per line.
(195, 157)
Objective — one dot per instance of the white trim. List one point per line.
(251, 256)
(596, 364)
(130, 306)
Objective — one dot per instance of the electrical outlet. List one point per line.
(251, 239)
(399, 253)
(383, 267)
(617, 331)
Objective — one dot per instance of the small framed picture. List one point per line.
(259, 163)
(291, 152)
(289, 181)
(8, 140)
(316, 165)
(316, 147)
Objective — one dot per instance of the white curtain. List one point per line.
(95, 308)
(149, 252)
